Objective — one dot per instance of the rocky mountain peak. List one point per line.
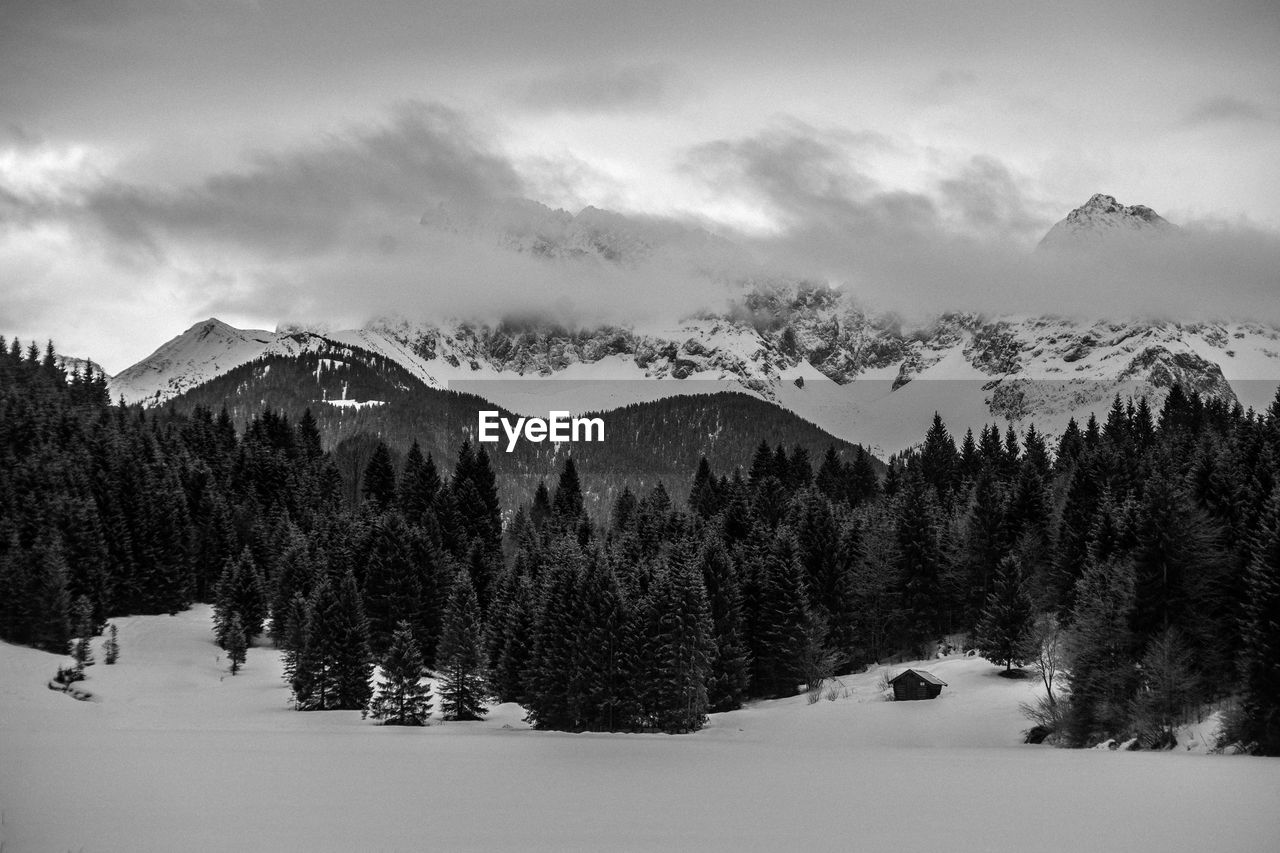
(1102, 217)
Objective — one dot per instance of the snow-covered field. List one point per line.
(174, 754)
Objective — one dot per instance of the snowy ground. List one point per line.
(175, 755)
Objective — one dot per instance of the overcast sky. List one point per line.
(162, 161)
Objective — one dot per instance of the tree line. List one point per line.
(1143, 552)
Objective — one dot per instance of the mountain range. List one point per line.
(863, 377)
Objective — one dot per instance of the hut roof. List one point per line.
(927, 676)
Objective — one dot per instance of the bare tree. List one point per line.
(1045, 712)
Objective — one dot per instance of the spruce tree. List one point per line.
(551, 661)
(111, 648)
(240, 591)
(1101, 670)
(513, 640)
(419, 484)
(1004, 634)
(920, 563)
(704, 498)
(50, 613)
(235, 642)
(336, 666)
(1260, 654)
(600, 684)
(460, 656)
(679, 647)
(780, 635)
(567, 504)
(402, 698)
(730, 670)
(82, 621)
(379, 481)
(293, 641)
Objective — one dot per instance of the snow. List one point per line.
(176, 754)
(355, 404)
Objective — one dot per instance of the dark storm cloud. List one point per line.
(1226, 108)
(343, 187)
(603, 89)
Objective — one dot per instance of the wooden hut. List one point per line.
(916, 684)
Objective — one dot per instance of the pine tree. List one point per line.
(513, 643)
(679, 647)
(391, 591)
(938, 458)
(82, 620)
(336, 666)
(730, 670)
(460, 655)
(599, 684)
(551, 662)
(235, 642)
(241, 591)
(50, 614)
(380, 478)
(1100, 667)
(293, 641)
(111, 648)
(779, 636)
(704, 498)
(1004, 635)
(419, 484)
(920, 563)
(567, 504)
(402, 699)
(1260, 654)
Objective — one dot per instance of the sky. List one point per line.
(163, 161)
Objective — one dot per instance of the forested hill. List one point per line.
(645, 443)
(1137, 561)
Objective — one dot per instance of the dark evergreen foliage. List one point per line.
(235, 642)
(335, 666)
(111, 647)
(402, 698)
(725, 570)
(461, 656)
(1003, 634)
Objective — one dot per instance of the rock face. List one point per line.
(862, 376)
(1103, 218)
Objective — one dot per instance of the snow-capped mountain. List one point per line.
(863, 377)
(1104, 218)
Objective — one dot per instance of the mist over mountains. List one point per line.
(813, 349)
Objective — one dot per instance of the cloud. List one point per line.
(344, 188)
(332, 232)
(988, 199)
(964, 244)
(1225, 109)
(804, 174)
(603, 89)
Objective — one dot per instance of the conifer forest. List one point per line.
(1136, 557)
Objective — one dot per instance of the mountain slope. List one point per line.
(354, 393)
